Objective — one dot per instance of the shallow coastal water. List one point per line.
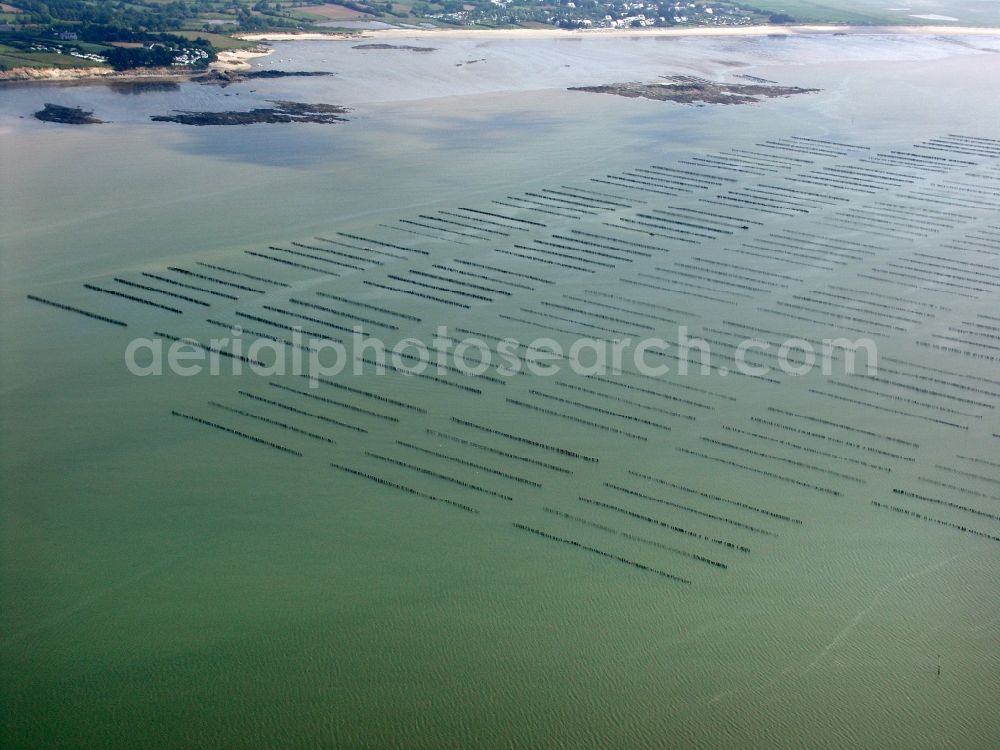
(169, 584)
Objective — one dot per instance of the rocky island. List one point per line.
(697, 91)
(408, 47)
(282, 112)
(66, 115)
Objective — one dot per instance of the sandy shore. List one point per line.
(696, 31)
(235, 60)
(239, 59)
(92, 74)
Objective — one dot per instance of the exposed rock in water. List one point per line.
(225, 77)
(66, 115)
(395, 46)
(142, 87)
(286, 73)
(692, 92)
(282, 112)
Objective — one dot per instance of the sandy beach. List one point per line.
(238, 59)
(90, 74)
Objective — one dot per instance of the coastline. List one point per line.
(238, 60)
(693, 31)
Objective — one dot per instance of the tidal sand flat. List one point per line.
(780, 555)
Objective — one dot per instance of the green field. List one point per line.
(15, 58)
(219, 41)
(804, 11)
(979, 13)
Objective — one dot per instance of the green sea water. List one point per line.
(170, 585)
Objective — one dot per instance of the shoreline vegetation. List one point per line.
(239, 60)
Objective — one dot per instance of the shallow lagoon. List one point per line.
(165, 579)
